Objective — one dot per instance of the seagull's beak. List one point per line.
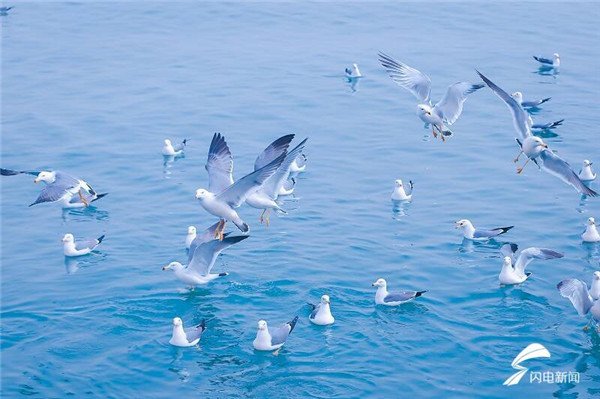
(166, 267)
(36, 180)
(545, 145)
(373, 284)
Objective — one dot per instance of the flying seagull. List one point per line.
(442, 114)
(583, 300)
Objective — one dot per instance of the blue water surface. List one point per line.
(93, 88)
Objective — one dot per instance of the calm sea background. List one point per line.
(94, 88)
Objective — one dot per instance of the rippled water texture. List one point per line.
(94, 88)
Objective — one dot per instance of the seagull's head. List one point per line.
(177, 322)
(262, 325)
(587, 163)
(202, 193)
(379, 283)
(591, 221)
(507, 261)
(596, 275)
(537, 143)
(191, 230)
(398, 183)
(518, 96)
(68, 238)
(174, 266)
(462, 223)
(423, 109)
(168, 143)
(325, 299)
(47, 177)
(556, 56)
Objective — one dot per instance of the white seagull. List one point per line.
(191, 235)
(554, 62)
(442, 114)
(591, 232)
(383, 297)
(272, 340)
(534, 147)
(518, 96)
(584, 303)
(513, 270)
(399, 193)
(353, 73)
(586, 173)
(78, 248)
(321, 312)
(186, 337)
(471, 233)
(169, 150)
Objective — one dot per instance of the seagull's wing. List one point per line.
(180, 146)
(411, 79)
(558, 167)
(521, 119)
(450, 106)
(509, 250)
(276, 181)
(279, 335)
(206, 236)
(577, 292)
(237, 193)
(195, 333)
(543, 60)
(315, 310)
(489, 233)
(91, 244)
(10, 172)
(402, 296)
(529, 254)
(274, 150)
(51, 193)
(219, 165)
(205, 254)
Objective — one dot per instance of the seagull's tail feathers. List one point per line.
(293, 324)
(202, 325)
(555, 124)
(543, 100)
(446, 132)
(243, 226)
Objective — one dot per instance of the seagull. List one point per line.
(518, 96)
(554, 62)
(78, 248)
(383, 297)
(399, 194)
(353, 73)
(264, 198)
(591, 232)
(60, 187)
(321, 313)
(442, 114)
(288, 186)
(202, 256)
(534, 147)
(584, 303)
(169, 151)
(546, 126)
(299, 165)
(222, 198)
(513, 271)
(586, 173)
(5, 10)
(191, 235)
(273, 340)
(472, 233)
(186, 337)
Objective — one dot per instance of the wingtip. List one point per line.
(419, 293)
(101, 238)
(293, 323)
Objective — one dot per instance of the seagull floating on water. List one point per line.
(60, 187)
(172, 151)
(191, 235)
(353, 73)
(273, 340)
(513, 270)
(321, 312)
(591, 232)
(586, 173)
(534, 147)
(399, 193)
(518, 96)
(288, 187)
(299, 165)
(383, 297)
(554, 62)
(79, 248)
(583, 300)
(472, 233)
(442, 114)
(202, 256)
(186, 337)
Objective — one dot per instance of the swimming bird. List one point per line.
(186, 337)
(288, 187)
(513, 270)
(584, 303)
(321, 312)
(442, 114)
(202, 256)
(170, 151)
(518, 96)
(591, 232)
(472, 233)
(353, 73)
(4, 10)
(534, 147)
(60, 187)
(383, 297)
(586, 173)
(265, 197)
(78, 248)
(273, 340)
(299, 165)
(546, 126)
(554, 62)
(191, 235)
(399, 193)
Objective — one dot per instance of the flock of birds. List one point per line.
(273, 176)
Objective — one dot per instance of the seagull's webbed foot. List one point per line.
(83, 199)
(218, 229)
(221, 235)
(276, 353)
(267, 219)
(433, 131)
(518, 156)
(262, 216)
(585, 328)
(519, 170)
